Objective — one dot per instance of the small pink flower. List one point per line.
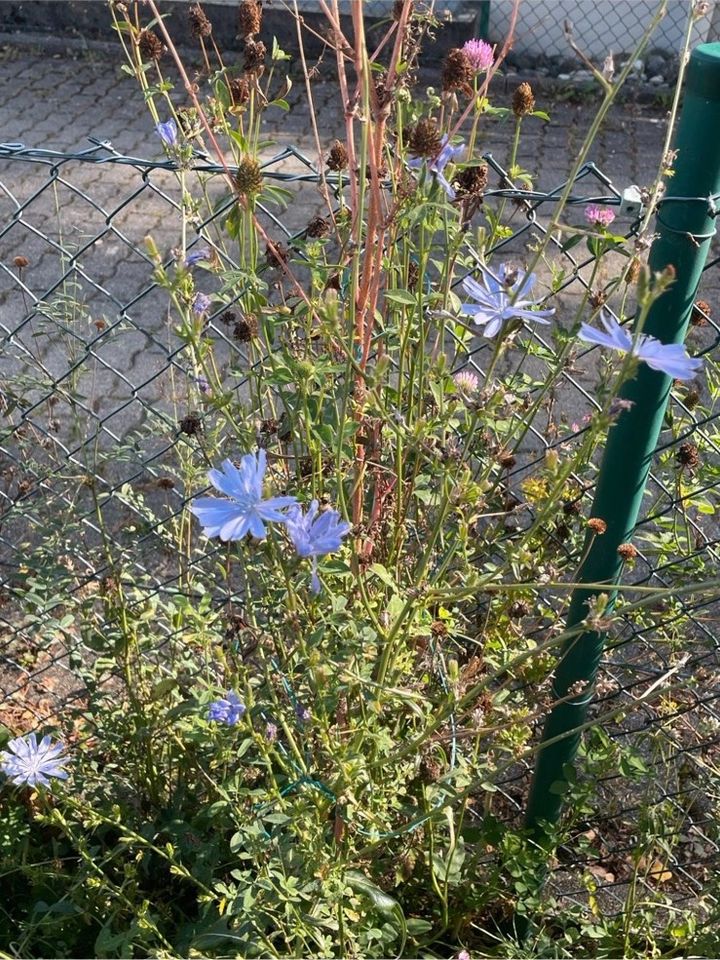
(463, 955)
(479, 53)
(466, 382)
(599, 216)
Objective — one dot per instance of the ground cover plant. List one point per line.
(311, 740)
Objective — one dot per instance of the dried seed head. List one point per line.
(438, 628)
(200, 26)
(150, 45)
(518, 609)
(597, 298)
(523, 101)
(692, 398)
(165, 483)
(239, 88)
(246, 328)
(248, 177)
(430, 769)
(249, 18)
(338, 156)
(277, 257)
(506, 460)
(471, 181)
(633, 271)
(701, 312)
(425, 139)
(254, 56)
(21, 262)
(597, 525)
(571, 507)
(318, 227)
(191, 425)
(627, 551)
(457, 71)
(228, 317)
(413, 275)
(687, 455)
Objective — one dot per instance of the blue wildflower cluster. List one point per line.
(247, 511)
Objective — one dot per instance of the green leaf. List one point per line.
(382, 901)
(401, 296)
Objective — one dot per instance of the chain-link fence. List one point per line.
(100, 398)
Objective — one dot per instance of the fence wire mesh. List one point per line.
(99, 400)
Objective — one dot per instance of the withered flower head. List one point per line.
(627, 551)
(692, 398)
(239, 88)
(687, 455)
(457, 71)
(255, 51)
(597, 298)
(633, 271)
(150, 45)
(701, 312)
(249, 177)
(277, 257)
(318, 227)
(471, 181)
(338, 156)
(246, 328)
(249, 18)
(191, 425)
(523, 101)
(425, 139)
(200, 26)
(597, 525)
(518, 609)
(21, 262)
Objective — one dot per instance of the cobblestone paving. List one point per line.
(113, 348)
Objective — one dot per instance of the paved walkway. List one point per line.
(57, 103)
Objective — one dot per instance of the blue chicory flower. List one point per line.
(201, 304)
(29, 763)
(502, 298)
(447, 154)
(302, 713)
(246, 511)
(196, 256)
(227, 709)
(669, 358)
(167, 132)
(314, 536)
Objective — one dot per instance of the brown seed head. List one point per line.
(191, 425)
(165, 483)
(597, 525)
(471, 181)
(255, 51)
(687, 455)
(277, 257)
(425, 139)
(248, 177)
(518, 609)
(413, 275)
(701, 312)
(200, 26)
(338, 156)
(597, 298)
(457, 71)
(627, 551)
(633, 270)
(249, 18)
(150, 45)
(571, 507)
(318, 227)
(239, 88)
(438, 628)
(21, 262)
(523, 101)
(506, 460)
(246, 328)
(692, 398)
(229, 316)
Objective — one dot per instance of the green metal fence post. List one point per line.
(684, 233)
